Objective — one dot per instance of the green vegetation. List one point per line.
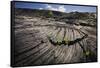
(58, 40)
(50, 14)
(88, 53)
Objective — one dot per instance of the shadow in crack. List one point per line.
(63, 42)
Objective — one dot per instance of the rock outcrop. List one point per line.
(56, 38)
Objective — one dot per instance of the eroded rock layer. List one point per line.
(42, 39)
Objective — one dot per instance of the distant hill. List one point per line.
(71, 17)
(55, 14)
(36, 12)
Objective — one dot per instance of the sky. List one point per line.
(55, 7)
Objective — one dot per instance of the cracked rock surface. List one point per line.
(41, 40)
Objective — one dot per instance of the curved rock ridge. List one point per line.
(40, 40)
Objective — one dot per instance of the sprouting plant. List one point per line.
(58, 40)
(87, 53)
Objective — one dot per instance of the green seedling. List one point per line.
(58, 40)
(87, 53)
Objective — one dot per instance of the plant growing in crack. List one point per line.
(58, 40)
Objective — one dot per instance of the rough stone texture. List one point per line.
(33, 47)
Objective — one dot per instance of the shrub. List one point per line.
(50, 14)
